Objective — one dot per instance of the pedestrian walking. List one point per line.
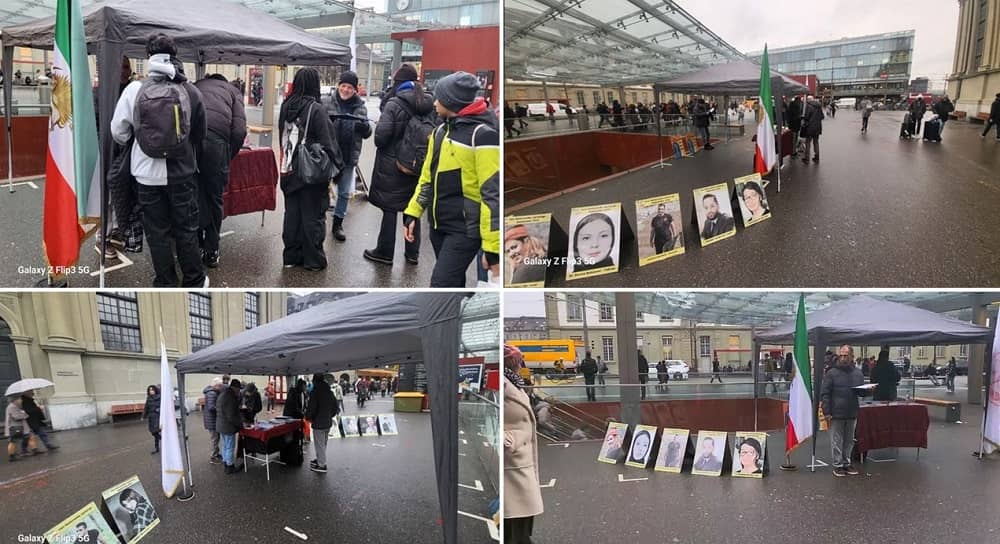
(716, 371)
(36, 424)
(943, 109)
(349, 115)
(522, 494)
(209, 417)
(362, 391)
(403, 129)
(643, 365)
(812, 128)
(917, 109)
(951, 372)
(602, 369)
(227, 128)
(151, 413)
(866, 112)
(338, 395)
(459, 184)
(320, 411)
(661, 375)
(303, 126)
(839, 398)
(15, 425)
(994, 119)
(228, 423)
(508, 121)
(166, 116)
(589, 369)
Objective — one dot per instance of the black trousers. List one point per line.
(990, 123)
(387, 237)
(305, 227)
(213, 166)
(171, 211)
(454, 254)
(591, 391)
(642, 379)
(518, 530)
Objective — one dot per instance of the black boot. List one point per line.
(338, 229)
(156, 446)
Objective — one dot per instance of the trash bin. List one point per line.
(408, 402)
(583, 121)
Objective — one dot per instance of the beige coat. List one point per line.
(522, 496)
(15, 418)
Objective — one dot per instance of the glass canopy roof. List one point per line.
(618, 42)
(481, 326)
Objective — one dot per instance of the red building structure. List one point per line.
(473, 49)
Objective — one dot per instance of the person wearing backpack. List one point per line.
(303, 121)
(227, 128)
(165, 114)
(460, 183)
(401, 138)
(349, 116)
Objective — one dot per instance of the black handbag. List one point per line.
(312, 164)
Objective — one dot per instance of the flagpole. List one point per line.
(986, 400)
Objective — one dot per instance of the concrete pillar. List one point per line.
(22, 348)
(268, 99)
(977, 358)
(545, 92)
(621, 95)
(961, 37)
(58, 326)
(628, 357)
(989, 37)
(71, 406)
(397, 54)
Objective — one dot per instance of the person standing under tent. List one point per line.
(839, 399)
(349, 116)
(210, 417)
(812, 128)
(228, 423)
(320, 411)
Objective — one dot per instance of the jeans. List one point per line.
(842, 441)
(319, 444)
(171, 211)
(814, 141)
(703, 134)
(213, 175)
(600, 378)
(864, 124)
(991, 123)
(215, 443)
(345, 185)
(591, 391)
(304, 228)
(454, 253)
(229, 448)
(387, 237)
(949, 382)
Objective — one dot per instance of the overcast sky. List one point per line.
(530, 304)
(748, 24)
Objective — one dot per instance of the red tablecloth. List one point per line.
(278, 430)
(253, 182)
(892, 426)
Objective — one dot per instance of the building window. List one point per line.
(597, 97)
(668, 346)
(200, 311)
(638, 342)
(608, 347)
(574, 309)
(638, 316)
(921, 352)
(664, 319)
(579, 98)
(905, 351)
(939, 351)
(607, 312)
(251, 310)
(963, 351)
(635, 98)
(118, 314)
(704, 346)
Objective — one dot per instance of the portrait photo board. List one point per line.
(591, 225)
(636, 458)
(387, 424)
(761, 465)
(674, 446)
(349, 426)
(645, 212)
(527, 241)
(120, 516)
(96, 526)
(745, 214)
(718, 457)
(367, 425)
(727, 223)
(612, 448)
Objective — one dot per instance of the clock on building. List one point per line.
(401, 5)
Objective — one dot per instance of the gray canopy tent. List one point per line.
(205, 31)
(869, 321)
(360, 332)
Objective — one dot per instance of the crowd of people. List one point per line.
(175, 140)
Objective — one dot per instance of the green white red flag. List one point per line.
(800, 397)
(72, 186)
(765, 155)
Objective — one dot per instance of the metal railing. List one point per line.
(645, 123)
(479, 421)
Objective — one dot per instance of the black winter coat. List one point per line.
(151, 411)
(995, 111)
(391, 189)
(36, 417)
(588, 367)
(322, 406)
(210, 414)
(358, 130)
(224, 111)
(887, 377)
(296, 109)
(840, 400)
(293, 404)
(643, 365)
(228, 409)
(794, 119)
(812, 122)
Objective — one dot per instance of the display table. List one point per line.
(896, 425)
(262, 441)
(253, 182)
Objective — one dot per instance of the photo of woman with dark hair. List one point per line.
(642, 446)
(520, 245)
(593, 243)
(140, 511)
(752, 196)
(748, 455)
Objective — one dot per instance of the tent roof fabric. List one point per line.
(208, 32)
(352, 333)
(736, 78)
(863, 319)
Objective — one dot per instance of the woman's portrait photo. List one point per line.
(388, 424)
(611, 450)
(594, 241)
(131, 509)
(753, 201)
(748, 455)
(660, 228)
(673, 447)
(349, 426)
(525, 246)
(367, 425)
(642, 446)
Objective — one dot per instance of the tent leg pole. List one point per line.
(187, 494)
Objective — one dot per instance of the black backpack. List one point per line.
(162, 118)
(412, 150)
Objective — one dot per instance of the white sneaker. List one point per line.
(205, 286)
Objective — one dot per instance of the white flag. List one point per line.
(992, 434)
(172, 467)
(352, 42)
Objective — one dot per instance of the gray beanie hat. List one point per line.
(456, 91)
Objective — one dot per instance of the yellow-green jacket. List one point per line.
(460, 180)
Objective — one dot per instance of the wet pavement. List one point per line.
(372, 493)
(250, 250)
(946, 495)
(877, 211)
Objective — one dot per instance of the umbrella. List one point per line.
(29, 384)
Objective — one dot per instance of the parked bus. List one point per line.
(541, 355)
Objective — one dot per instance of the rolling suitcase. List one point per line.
(932, 130)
